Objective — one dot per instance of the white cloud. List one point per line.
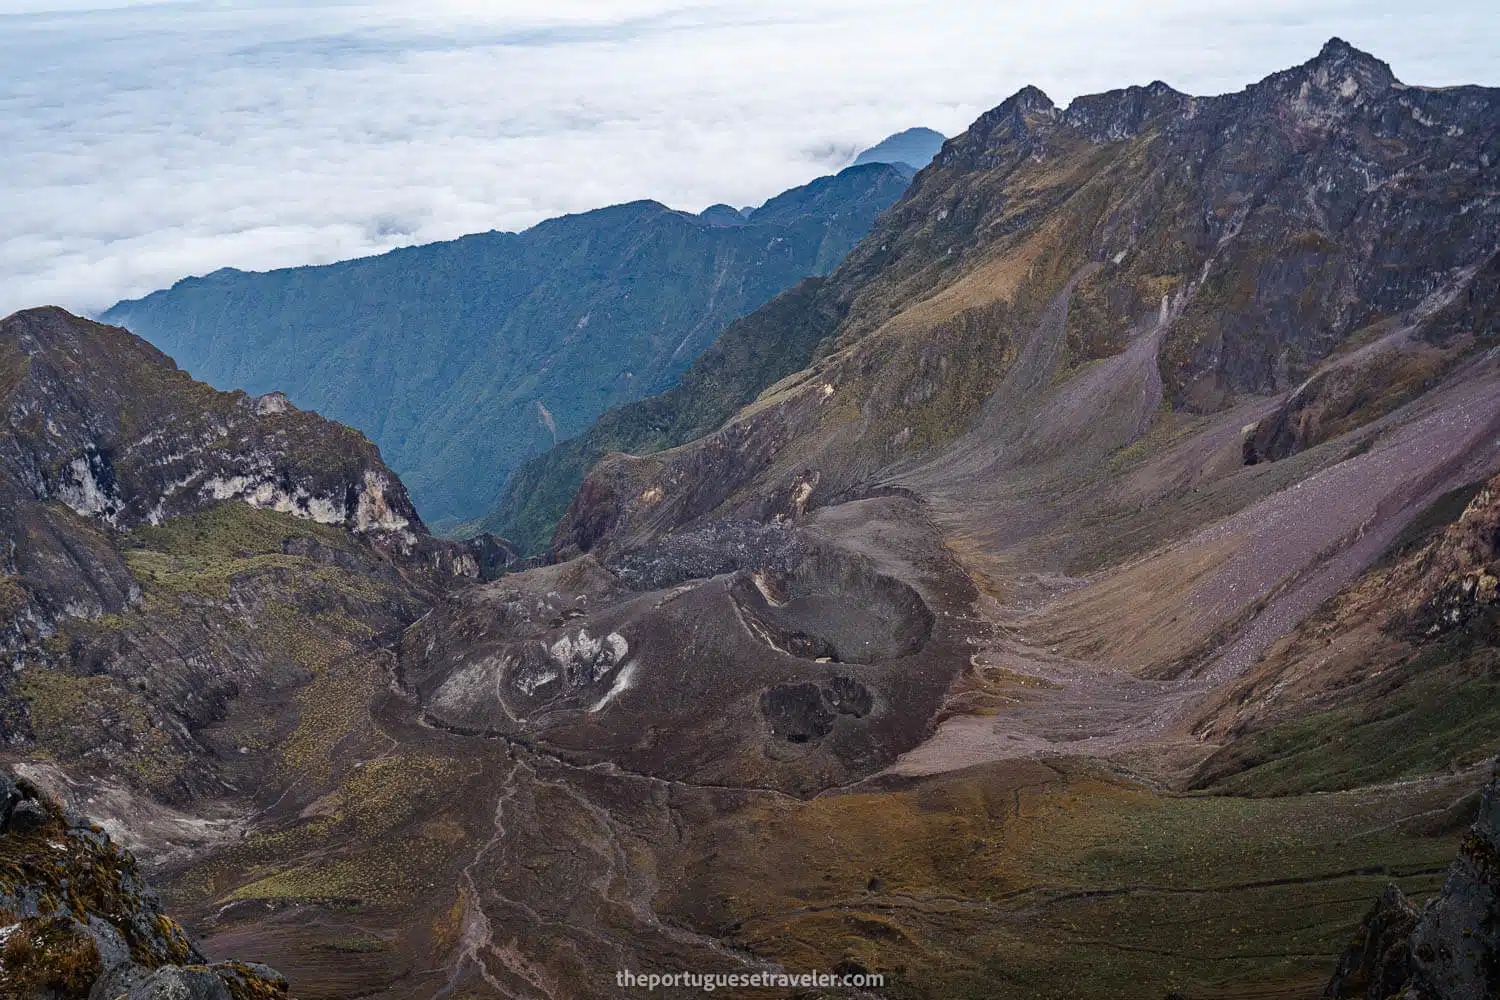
(144, 142)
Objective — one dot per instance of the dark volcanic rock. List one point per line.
(1456, 943)
(832, 606)
(806, 712)
(1377, 963)
(797, 712)
(1451, 951)
(712, 550)
(700, 656)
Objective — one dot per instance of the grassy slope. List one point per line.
(186, 570)
(1061, 880)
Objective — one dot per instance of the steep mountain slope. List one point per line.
(764, 347)
(1221, 247)
(460, 359)
(178, 560)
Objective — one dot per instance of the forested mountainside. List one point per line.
(1089, 589)
(460, 359)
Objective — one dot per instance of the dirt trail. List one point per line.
(477, 944)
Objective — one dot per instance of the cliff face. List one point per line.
(160, 539)
(105, 433)
(1450, 949)
(461, 359)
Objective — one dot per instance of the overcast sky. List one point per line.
(142, 142)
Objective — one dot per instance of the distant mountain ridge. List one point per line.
(914, 147)
(462, 358)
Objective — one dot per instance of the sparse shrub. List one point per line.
(54, 954)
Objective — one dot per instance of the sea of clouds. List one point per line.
(142, 142)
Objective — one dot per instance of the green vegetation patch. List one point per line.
(13, 596)
(1446, 717)
(381, 842)
(51, 957)
(231, 529)
(200, 554)
(75, 717)
(1005, 881)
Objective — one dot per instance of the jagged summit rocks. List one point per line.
(1272, 224)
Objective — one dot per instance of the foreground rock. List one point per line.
(77, 921)
(1451, 951)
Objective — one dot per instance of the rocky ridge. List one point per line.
(1241, 239)
(110, 452)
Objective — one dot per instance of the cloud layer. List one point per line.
(147, 141)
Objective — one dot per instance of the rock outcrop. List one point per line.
(1448, 951)
(77, 921)
(157, 535)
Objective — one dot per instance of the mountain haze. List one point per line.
(460, 359)
(915, 147)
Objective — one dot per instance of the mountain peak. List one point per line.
(1338, 56)
(1002, 125)
(1121, 114)
(1029, 100)
(914, 147)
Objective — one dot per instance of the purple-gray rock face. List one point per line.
(1451, 950)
